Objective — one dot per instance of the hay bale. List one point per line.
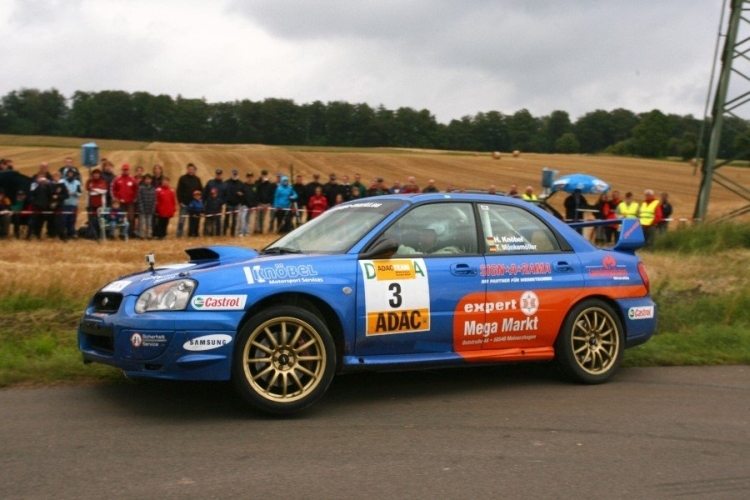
(516, 153)
(496, 155)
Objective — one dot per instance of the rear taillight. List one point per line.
(644, 276)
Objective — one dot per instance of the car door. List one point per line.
(531, 278)
(408, 302)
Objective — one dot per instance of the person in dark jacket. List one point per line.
(249, 204)
(235, 194)
(186, 186)
(301, 203)
(265, 190)
(213, 205)
(58, 195)
(41, 192)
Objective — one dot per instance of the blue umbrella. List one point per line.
(588, 184)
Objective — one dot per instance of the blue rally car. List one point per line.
(392, 282)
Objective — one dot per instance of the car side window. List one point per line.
(511, 229)
(436, 229)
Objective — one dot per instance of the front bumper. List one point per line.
(175, 345)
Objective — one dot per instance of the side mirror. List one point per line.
(381, 249)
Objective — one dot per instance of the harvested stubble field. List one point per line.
(462, 170)
(79, 267)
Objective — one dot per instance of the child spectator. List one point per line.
(146, 205)
(213, 205)
(317, 204)
(166, 206)
(195, 210)
(116, 216)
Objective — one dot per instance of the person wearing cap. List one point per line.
(187, 184)
(235, 194)
(220, 186)
(331, 189)
(310, 188)
(249, 204)
(125, 189)
(265, 190)
(650, 214)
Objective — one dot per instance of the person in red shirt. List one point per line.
(317, 204)
(96, 189)
(125, 189)
(166, 206)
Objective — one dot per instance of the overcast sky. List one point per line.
(452, 57)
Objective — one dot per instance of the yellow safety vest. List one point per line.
(527, 197)
(648, 212)
(628, 210)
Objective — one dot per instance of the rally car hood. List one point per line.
(200, 259)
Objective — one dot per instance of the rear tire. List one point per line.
(284, 360)
(591, 342)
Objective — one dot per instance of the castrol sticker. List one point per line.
(397, 296)
(644, 312)
(219, 302)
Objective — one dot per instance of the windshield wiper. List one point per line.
(280, 250)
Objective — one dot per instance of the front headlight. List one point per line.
(171, 296)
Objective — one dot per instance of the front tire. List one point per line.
(284, 360)
(591, 343)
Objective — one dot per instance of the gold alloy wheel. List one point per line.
(595, 340)
(284, 359)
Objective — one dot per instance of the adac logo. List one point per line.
(609, 262)
(198, 302)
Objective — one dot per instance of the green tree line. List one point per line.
(114, 114)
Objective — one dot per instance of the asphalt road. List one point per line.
(502, 432)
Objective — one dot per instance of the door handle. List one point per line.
(562, 266)
(463, 270)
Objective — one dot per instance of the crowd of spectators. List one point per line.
(142, 205)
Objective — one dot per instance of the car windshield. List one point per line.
(337, 229)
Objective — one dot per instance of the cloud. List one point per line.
(452, 57)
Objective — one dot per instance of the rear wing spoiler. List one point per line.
(631, 232)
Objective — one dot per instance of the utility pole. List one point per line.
(734, 61)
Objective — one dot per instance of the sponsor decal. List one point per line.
(116, 286)
(136, 340)
(219, 302)
(367, 204)
(148, 339)
(643, 312)
(207, 342)
(509, 319)
(281, 274)
(156, 278)
(397, 296)
(609, 269)
(515, 273)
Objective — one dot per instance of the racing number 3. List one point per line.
(396, 301)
